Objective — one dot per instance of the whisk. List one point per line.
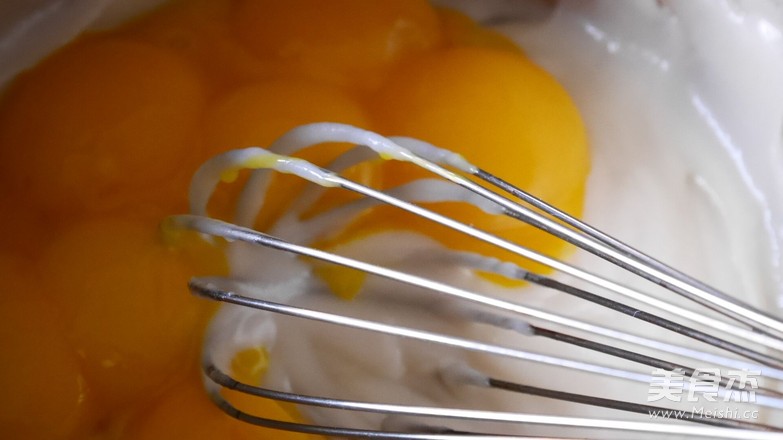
(725, 333)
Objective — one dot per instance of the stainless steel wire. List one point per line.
(754, 336)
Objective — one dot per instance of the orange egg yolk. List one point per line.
(98, 141)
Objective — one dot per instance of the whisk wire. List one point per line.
(228, 231)
(425, 156)
(633, 253)
(209, 289)
(221, 378)
(756, 328)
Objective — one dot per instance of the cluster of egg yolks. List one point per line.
(97, 143)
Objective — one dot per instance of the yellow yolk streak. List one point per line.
(98, 143)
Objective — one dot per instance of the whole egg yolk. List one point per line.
(120, 294)
(97, 144)
(98, 125)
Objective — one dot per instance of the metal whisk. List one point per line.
(725, 333)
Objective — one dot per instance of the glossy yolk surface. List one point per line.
(97, 144)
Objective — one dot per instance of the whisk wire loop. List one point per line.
(218, 377)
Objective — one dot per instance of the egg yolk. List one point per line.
(345, 42)
(97, 144)
(79, 131)
(515, 120)
(461, 31)
(128, 320)
(45, 393)
(201, 31)
(187, 412)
